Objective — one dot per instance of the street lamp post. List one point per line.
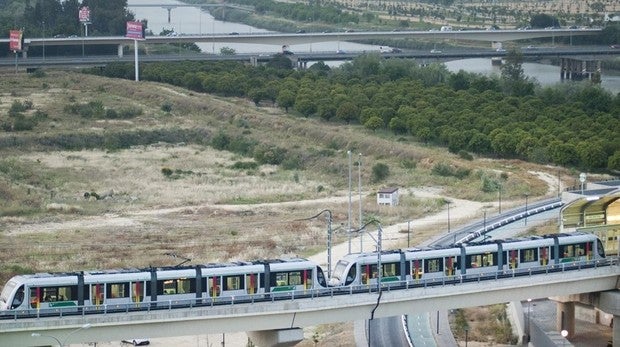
(500, 199)
(349, 219)
(448, 203)
(526, 195)
(64, 342)
(359, 189)
(43, 22)
(466, 332)
(529, 322)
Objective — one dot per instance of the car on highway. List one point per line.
(436, 51)
(615, 46)
(137, 342)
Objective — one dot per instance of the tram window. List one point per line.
(19, 298)
(433, 265)
(233, 282)
(184, 286)
(118, 290)
(51, 294)
(294, 278)
(567, 251)
(351, 275)
(319, 276)
(580, 249)
(281, 279)
(528, 255)
(479, 260)
(391, 269)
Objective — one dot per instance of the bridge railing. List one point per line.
(251, 299)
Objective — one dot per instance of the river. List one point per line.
(190, 20)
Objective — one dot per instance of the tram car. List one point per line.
(93, 290)
(511, 255)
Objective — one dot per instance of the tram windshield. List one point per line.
(6, 292)
(339, 270)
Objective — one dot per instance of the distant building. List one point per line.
(387, 196)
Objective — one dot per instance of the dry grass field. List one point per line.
(207, 211)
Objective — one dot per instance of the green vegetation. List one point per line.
(501, 117)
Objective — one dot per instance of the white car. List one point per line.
(435, 51)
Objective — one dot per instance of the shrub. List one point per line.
(380, 172)
(166, 107)
(244, 165)
(463, 154)
(166, 171)
(443, 169)
(22, 123)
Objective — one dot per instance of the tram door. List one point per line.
(214, 285)
(544, 255)
(251, 281)
(137, 291)
(97, 293)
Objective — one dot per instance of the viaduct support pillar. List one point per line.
(119, 51)
(276, 338)
(566, 317)
(609, 302)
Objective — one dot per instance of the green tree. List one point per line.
(374, 123)
(227, 51)
(347, 112)
(286, 99)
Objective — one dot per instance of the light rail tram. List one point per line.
(90, 292)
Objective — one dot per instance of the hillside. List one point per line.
(171, 192)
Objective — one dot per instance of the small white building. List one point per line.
(387, 196)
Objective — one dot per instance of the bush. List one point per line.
(244, 165)
(166, 171)
(166, 107)
(463, 154)
(445, 170)
(380, 172)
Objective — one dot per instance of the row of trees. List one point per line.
(508, 116)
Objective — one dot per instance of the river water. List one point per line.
(191, 20)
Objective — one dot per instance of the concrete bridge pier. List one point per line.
(119, 51)
(566, 317)
(609, 302)
(276, 338)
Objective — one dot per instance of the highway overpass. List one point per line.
(289, 314)
(305, 57)
(272, 38)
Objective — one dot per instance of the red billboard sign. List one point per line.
(84, 14)
(134, 30)
(15, 40)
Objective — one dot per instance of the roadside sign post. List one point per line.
(134, 31)
(15, 43)
(84, 18)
